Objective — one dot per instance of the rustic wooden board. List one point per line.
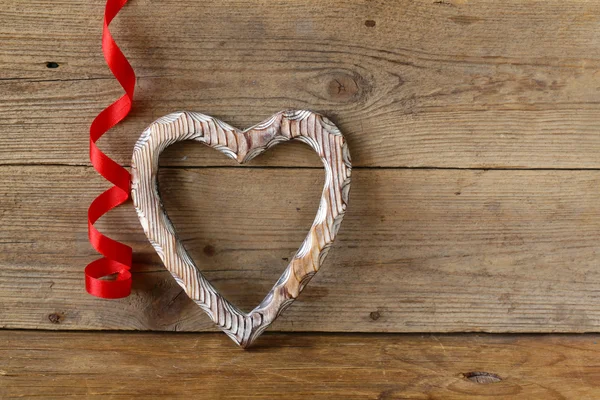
(448, 83)
(419, 250)
(445, 84)
(55, 365)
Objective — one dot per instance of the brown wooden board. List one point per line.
(443, 104)
(58, 365)
(450, 83)
(473, 128)
(419, 250)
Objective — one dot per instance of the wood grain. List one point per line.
(303, 126)
(450, 83)
(443, 84)
(55, 365)
(419, 250)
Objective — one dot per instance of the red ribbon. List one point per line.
(116, 256)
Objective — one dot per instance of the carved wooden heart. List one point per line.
(315, 130)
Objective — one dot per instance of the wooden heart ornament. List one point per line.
(313, 129)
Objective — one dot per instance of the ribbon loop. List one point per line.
(117, 256)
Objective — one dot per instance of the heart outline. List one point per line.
(242, 145)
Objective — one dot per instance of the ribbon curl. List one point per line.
(116, 256)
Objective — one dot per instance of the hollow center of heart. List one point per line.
(240, 224)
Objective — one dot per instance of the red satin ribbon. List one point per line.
(116, 256)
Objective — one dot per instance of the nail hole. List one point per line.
(209, 250)
(374, 315)
(51, 64)
(370, 23)
(483, 378)
(55, 318)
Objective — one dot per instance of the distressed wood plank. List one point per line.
(508, 83)
(419, 250)
(54, 365)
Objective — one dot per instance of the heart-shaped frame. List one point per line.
(311, 128)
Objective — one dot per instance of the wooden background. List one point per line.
(475, 204)
(299, 366)
(473, 127)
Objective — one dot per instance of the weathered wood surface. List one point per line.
(55, 365)
(303, 126)
(445, 84)
(419, 250)
(449, 83)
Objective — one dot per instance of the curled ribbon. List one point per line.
(116, 256)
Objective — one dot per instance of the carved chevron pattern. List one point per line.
(311, 128)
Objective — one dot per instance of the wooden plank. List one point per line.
(54, 365)
(450, 83)
(419, 250)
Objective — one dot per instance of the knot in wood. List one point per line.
(343, 87)
(483, 378)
